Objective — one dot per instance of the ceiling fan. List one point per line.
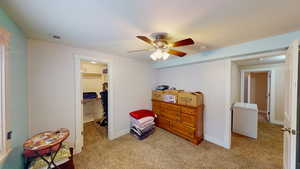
(162, 46)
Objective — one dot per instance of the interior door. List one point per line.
(290, 114)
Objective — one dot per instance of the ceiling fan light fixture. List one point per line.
(153, 56)
(165, 56)
(159, 55)
(163, 46)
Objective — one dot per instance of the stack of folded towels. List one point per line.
(142, 123)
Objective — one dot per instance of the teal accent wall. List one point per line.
(17, 91)
(261, 45)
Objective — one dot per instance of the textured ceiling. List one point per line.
(111, 25)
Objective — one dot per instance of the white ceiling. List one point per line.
(111, 25)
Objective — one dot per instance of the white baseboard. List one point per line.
(277, 122)
(216, 141)
(246, 133)
(120, 133)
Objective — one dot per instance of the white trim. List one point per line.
(290, 115)
(78, 115)
(278, 122)
(5, 148)
(260, 55)
(2, 101)
(121, 133)
(215, 141)
(228, 103)
(246, 133)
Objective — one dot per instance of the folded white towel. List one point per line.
(143, 120)
(143, 126)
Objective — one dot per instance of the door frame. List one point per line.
(228, 103)
(298, 120)
(78, 114)
(272, 92)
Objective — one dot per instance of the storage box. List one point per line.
(170, 98)
(190, 98)
(172, 92)
(157, 95)
(171, 95)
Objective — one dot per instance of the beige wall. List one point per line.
(52, 87)
(209, 78)
(235, 83)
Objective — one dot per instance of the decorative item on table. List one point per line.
(46, 139)
(142, 123)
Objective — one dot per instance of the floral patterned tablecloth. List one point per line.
(46, 139)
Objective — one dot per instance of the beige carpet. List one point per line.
(164, 150)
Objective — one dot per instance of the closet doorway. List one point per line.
(93, 108)
(94, 89)
(94, 85)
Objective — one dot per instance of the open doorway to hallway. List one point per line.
(94, 107)
(258, 99)
(256, 87)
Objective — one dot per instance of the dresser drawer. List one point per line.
(156, 109)
(163, 123)
(183, 129)
(187, 110)
(168, 106)
(155, 104)
(189, 120)
(170, 114)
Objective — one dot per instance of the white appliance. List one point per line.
(245, 119)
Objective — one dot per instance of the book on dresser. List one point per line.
(185, 121)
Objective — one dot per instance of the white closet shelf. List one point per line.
(91, 73)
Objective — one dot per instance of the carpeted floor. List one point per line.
(164, 150)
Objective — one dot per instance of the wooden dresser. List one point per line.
(184, 121)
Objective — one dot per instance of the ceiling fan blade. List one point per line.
(184, 42)
(145, 39)
(176, 53)
(140, 50)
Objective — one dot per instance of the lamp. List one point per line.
(159, 54)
